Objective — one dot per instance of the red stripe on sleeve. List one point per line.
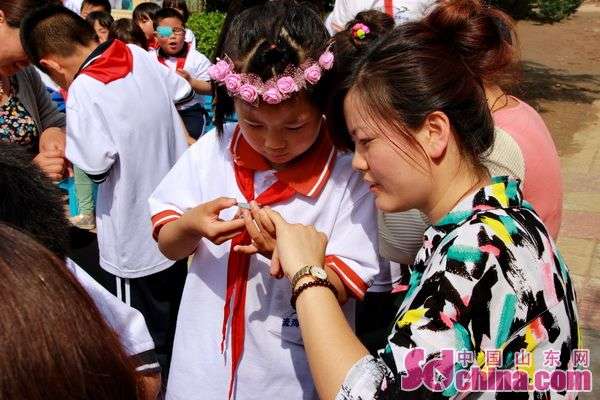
(351, 280)
(161, 219)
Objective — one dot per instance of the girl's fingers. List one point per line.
(234, 227)
(224, 238)
(255, 211)
(249, 249)
(266, 222)
(250, 225)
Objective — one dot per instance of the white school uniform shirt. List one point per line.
(190, 37)
(126, 321)
(344, 11)
(130, 129)
(196, 64)
(274, 363)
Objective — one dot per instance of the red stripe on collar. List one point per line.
(114, 63)
(307, 175)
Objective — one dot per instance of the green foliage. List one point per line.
(545, 10)
(206, 27)
(555, 10)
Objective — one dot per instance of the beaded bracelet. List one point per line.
(307, 285)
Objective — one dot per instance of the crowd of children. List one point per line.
(189, 223)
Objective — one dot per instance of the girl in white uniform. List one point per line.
(237, 333)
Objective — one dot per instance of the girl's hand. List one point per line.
(204, 221)
(297, 246)
(261, 230)
(184, 74)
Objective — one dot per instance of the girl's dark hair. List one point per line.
(265, 39)
(437, 64)
(55, 344)
(15, 10)
(145, 10)
(167, 13)
(128, 31)
(180, 5)
(348, 48)
(22, 182)
(104, 19)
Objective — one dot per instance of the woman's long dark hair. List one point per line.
(55, 344)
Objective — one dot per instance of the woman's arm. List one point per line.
(330, 343)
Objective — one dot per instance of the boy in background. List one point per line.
(184, 59)
(123, 130)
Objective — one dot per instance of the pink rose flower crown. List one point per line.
(251, 88)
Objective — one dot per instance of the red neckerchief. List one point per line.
(307, 176)
(389, 7)
(180, 59)
(114, 63)
(153, 43)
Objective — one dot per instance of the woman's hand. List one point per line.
(204, 221)
(53, 163)
(297, 246)
(53, 139)
(261, 230)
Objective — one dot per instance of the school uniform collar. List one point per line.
(308, 175)
(108, 62)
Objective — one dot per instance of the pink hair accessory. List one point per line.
(251, 88)
(360, 31)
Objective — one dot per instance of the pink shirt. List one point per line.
(543, 182)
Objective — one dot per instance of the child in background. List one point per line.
(279, 155)
(123, 130)
(128, 31)
(188, 62)
(89, 6)
(143, 15)
(182, 8)
(101, 22)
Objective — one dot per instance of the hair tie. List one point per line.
(360, 31)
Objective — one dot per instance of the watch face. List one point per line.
(318, 273)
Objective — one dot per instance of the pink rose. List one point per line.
(233, 82)
(326, 60)
(272, 96)
(248, 93)
(312, 74)
(219, 71)
(287, 85)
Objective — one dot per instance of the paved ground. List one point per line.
(562, 80)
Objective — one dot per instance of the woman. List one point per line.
(55, 344)
(27, 114)
(488, 277)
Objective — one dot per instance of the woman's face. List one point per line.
(12, 55)
(398, 183)
(280, 132)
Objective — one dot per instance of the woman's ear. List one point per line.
(2, 17)
(435, 134)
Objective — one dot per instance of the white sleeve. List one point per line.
(343, 12)
(178, 88)
(127, 322)
(190, 37)
(352, 247)
(200, 68)
(179, 191)
(90, 145)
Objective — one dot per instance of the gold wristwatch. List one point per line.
(315, 271)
